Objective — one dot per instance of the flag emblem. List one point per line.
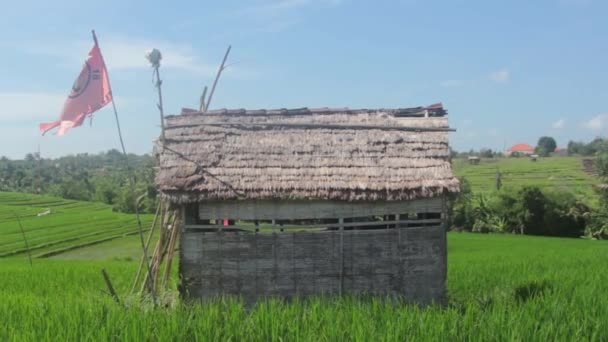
(90, 92)
(81, 83)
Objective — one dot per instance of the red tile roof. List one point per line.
(523, 147)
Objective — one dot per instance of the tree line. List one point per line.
(544, 147)
(104, 177)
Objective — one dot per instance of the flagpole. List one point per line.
(38, 189)
(132, 173)
(122, 143)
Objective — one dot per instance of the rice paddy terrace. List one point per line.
(559, 173)
(500, 287)
(54, 225)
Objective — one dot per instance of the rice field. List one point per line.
(559, 173)
(54, 225)
(501, 287)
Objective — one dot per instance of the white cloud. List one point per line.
(451, 83)
(22, 106)
(500, 76)
(597, 123)
(559, 124)
(126, 53)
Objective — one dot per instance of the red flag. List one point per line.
(90, 92)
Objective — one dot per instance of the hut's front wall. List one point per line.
(408, 259)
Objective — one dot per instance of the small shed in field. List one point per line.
(298, 202)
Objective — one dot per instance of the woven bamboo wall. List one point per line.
(409, 262)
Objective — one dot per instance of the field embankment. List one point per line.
(53, 225)
(558, 173)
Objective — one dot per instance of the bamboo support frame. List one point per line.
(148, 240)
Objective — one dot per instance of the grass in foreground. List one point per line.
(501, 287)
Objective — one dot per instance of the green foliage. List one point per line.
(102, 177)
(482, 153)
(545, 146)
(598, 227)
(565, 215)
(71, 189)
(460, 207)
(589, 149)
(601, 165)
(533, 204)
(486, 153)
(501, 288)
(527, 211)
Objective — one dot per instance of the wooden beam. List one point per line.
(316, 226)
(316, 126)
(250, 210)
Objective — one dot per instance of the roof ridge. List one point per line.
(432, 110)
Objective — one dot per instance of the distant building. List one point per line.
(521, 148)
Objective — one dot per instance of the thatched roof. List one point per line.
(341, 154)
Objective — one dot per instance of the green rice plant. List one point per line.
(65, 225)
(501, 287)
(558, 173)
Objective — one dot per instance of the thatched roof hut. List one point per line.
(365, 190)
(338, 154)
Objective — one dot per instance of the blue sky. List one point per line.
(507, 71)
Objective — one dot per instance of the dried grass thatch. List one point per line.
(338, 154)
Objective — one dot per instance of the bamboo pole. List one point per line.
(217, 77)
(106, 277)
(131, 173)
(27, 246)
(202, 100)
(148, 275)
(159, 254)
(171, 252)
(160, 101)
(148, 240)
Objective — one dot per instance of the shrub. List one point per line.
(527, 211)
(460, 208)
(533, 210)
